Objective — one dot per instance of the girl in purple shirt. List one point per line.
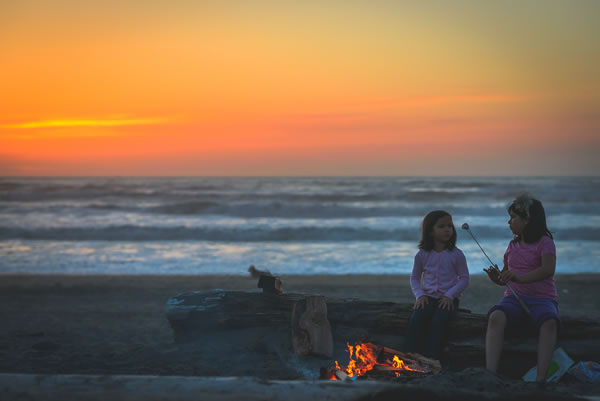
(439, 277)
(529, 265)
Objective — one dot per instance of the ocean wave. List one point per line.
(188, 195)
(148, 209)
(185, 208)
(342, 209)
(290, 193)
(311, 210)
(279, 210)
(10, 186)
(136, 233)
(284, 234)
(105, 206)
(317, 197)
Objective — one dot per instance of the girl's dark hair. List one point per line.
(531, 209)
(426, 243)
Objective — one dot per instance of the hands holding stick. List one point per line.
(500, 277)
(497, 276)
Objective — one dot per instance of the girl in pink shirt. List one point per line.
(439, 277)
(529, 265)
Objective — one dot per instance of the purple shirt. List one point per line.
(443, 274)
(523, 258)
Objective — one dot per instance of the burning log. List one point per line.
(332, 373)
(414, 360)
(368, 359)
(311, 332)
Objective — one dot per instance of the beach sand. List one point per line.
(116, 325)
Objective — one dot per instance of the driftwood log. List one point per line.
(193, 315)
(311, 332)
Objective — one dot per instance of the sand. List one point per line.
(116, 325)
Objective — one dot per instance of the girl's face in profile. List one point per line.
(516, 223)
(443, 229)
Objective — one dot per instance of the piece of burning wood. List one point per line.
(328, 373)
(412, 359)
(386, 368)
(391, 371)
(332, 373)
(311, 332)
(341, 375)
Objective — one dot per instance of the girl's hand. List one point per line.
(446, 303)
(494, 275)
(421, 302)
(508, 275)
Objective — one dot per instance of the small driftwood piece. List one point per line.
(269, 283)
(311, 332)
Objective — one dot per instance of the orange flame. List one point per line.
(363, 358)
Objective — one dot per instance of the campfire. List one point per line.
(368, 359)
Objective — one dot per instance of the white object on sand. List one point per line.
(561, 362)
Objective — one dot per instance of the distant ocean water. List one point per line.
(313, 225)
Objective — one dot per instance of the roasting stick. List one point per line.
(494, 266)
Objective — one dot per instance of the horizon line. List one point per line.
(307, 176)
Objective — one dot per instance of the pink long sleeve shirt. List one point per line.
(438, 274)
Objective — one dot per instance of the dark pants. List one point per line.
(426, 329)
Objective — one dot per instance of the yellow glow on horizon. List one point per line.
(85, 123)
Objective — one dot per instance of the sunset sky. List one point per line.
(253, 87)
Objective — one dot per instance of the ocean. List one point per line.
(297, 225)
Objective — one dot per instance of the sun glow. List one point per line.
(61, 123)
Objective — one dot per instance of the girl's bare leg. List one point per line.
(494, 339)
(546, 344)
